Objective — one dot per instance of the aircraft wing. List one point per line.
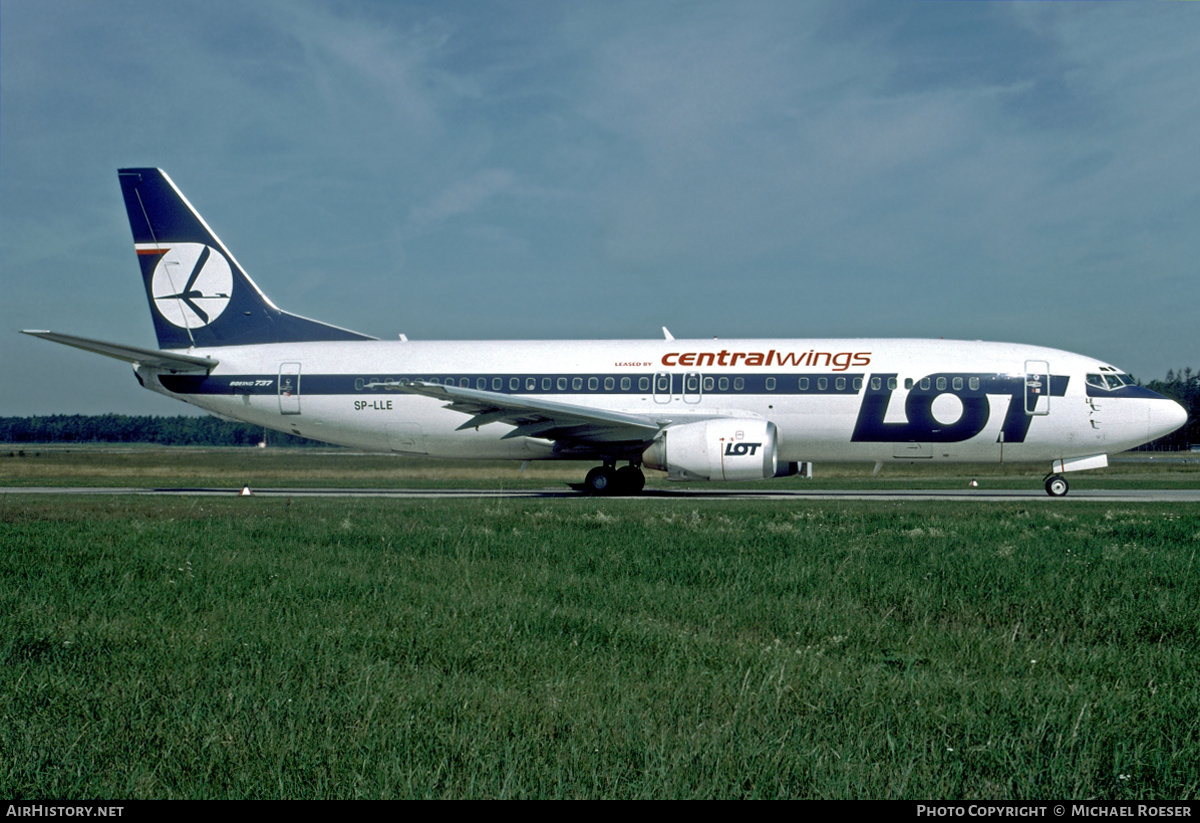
(152, 358)
(534, 417)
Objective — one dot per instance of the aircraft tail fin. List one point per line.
(199, 295)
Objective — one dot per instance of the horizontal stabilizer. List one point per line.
(151, 358)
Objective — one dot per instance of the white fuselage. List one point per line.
(845, 400)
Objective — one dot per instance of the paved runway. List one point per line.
(694, 494)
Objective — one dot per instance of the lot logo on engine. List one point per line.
(741, 449)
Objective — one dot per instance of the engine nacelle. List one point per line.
(719, 449)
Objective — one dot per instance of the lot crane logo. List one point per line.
(741, 449)
(191, 285)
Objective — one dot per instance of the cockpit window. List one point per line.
(1109, 380)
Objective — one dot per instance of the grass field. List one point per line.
(149, 467)
(623, 648)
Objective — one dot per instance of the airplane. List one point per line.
(701, 409)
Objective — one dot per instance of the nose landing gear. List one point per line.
(1056, 485)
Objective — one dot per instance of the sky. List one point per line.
(1024, 172)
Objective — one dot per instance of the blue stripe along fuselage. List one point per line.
(842, 383)
(876, 390)
(1123, 391)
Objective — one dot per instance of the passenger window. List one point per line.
(530, 383)
(693, 383)
(643, 384)
(708, 384)
(956, 384)
(545, 384)
(941, 384)
(358, 384)
(609, 384)
(875, 384)
(892, 383)
(723, 384)
(803, 384)
(857, 383)
(822, 383)
(593, 383)
(626, 384)
(908, 383)
(576, 383)
(514, 383)
(840, 384)
(562, 384)
(973, 383)
(481, 383)
(738, 384)
(924, 384)
(497, 383)
(770, 384)
(664, 383)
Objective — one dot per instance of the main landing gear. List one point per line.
(608, 480)
(1056, 485)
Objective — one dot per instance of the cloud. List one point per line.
(1017, 170)
(461, 197)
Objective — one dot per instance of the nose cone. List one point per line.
(1165, 417)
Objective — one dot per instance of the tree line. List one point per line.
(1183, 386)
(182, 430)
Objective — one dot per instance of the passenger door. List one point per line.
(1037, 387)
(289, 388)
(663, 386)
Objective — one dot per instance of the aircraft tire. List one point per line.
(1056, 485)
(602, 480)
(630, 480)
